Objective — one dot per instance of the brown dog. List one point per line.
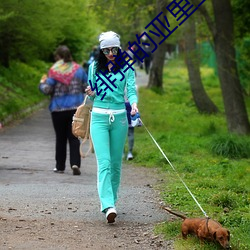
(204, 229)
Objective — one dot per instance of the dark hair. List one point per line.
(101, 62)
(64, 53)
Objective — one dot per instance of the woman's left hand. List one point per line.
(134, 109)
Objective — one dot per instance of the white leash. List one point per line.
(174, 169)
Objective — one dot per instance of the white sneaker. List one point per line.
(111, 214)
(130, 156)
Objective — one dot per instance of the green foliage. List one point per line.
(243, 60)
(242, 35)
(170, 230)
(231, 146)
(28, 33)
(219, 183)
(241, 17)
(127, 18)
(224, 200)
(19, 87)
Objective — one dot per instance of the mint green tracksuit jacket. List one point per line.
(109, 131)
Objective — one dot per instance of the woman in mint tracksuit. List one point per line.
(109, 123)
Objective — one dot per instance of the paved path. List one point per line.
(27, 160)
(26, 163)
(141, 78)
(31, 191)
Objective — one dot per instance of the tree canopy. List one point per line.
(32, 32)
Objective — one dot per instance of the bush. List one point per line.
(231, 146)
(19, 88)
(224, 200)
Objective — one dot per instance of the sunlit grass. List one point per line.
(219, 182)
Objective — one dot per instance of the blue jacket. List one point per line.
(65, 97)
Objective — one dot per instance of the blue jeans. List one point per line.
(108, 139)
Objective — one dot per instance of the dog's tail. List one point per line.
(175, 213)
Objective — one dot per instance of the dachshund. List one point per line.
(204, 229)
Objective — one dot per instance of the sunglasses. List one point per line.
(114, 51)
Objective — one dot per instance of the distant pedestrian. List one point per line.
(93, 55)
(65, 84)
(131, 129)
(130, 133)
(139, 55)
(147, 59)
(131, 56)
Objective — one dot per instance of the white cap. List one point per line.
(109, 39)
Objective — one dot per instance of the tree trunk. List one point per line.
(201, 99)
(156, 71)
(235, 109)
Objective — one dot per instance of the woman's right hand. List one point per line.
(134, 109)
(89, 92)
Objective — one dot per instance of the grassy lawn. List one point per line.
(214, 164)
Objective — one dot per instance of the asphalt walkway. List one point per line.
(31, 190)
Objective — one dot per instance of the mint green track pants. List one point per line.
(108, 138)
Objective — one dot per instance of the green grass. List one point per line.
(214, 164)
(19, 88)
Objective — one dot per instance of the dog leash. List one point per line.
(174, 170)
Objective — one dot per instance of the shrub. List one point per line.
(223, 200)
(231, 146)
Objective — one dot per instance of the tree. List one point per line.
(127, 18)
(156, 71)
(201, 99)
(223, 38)
(241, 17)
(132, 18)
(242, 32)
(28, 33)
(23, 33)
